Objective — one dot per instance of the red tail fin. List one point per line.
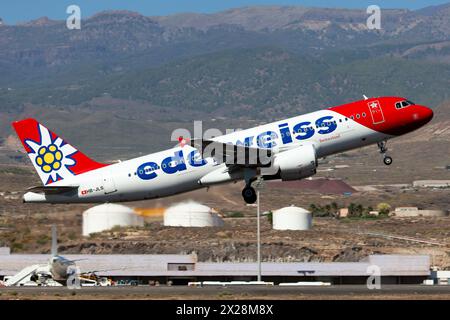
(52, 157)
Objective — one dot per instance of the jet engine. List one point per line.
(294, 164)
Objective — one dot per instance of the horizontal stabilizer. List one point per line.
(53, 189)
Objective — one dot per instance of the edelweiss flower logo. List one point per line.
(49, 159)
(51, 156)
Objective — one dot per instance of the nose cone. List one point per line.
(421, 115)
(425, 114)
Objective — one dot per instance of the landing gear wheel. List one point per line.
(249, 195)
(387, 160)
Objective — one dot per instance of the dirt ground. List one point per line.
(420, 155)
(26, 227)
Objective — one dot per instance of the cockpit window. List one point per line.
(403, 104)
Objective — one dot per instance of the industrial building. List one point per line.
(107, 216)
(181, 269)
(292, 218)
(416, 212)
(431, 184)
(192, 214)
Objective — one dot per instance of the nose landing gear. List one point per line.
(386, 159)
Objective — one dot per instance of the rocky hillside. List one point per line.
(128, 73)
(116, 40)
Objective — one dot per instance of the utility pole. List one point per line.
(259, 185)
(258, 231)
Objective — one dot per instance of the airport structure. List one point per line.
(107, 216)
(181, 269)
(192, 214)
(416, 212)
(431, 184)
(292, 218)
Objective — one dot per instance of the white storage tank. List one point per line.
(191, 214)
(107, 216)
(292, 218)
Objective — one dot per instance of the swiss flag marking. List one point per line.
(376, 112)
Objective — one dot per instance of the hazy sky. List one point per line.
(23, 10)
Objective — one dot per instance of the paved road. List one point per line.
(246, 292)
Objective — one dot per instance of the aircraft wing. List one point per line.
(232, 154)
(52, 189)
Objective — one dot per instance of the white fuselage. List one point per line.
(155, 175)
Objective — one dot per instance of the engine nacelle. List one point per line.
(220, 175)
(295, 164)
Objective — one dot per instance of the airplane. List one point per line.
(288, 149)
(55, 272)
(60, 267)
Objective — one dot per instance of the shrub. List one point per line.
(383, 208)
(270, 217)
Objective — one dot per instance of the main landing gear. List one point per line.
(386, 159)
(249, 193)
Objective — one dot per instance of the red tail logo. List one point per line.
(52, 157)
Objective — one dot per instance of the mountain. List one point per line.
(123, 40)
(124, 71)
(259, 83)
(273, 18)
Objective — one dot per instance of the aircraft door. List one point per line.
(108, 184)
(376, 112)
